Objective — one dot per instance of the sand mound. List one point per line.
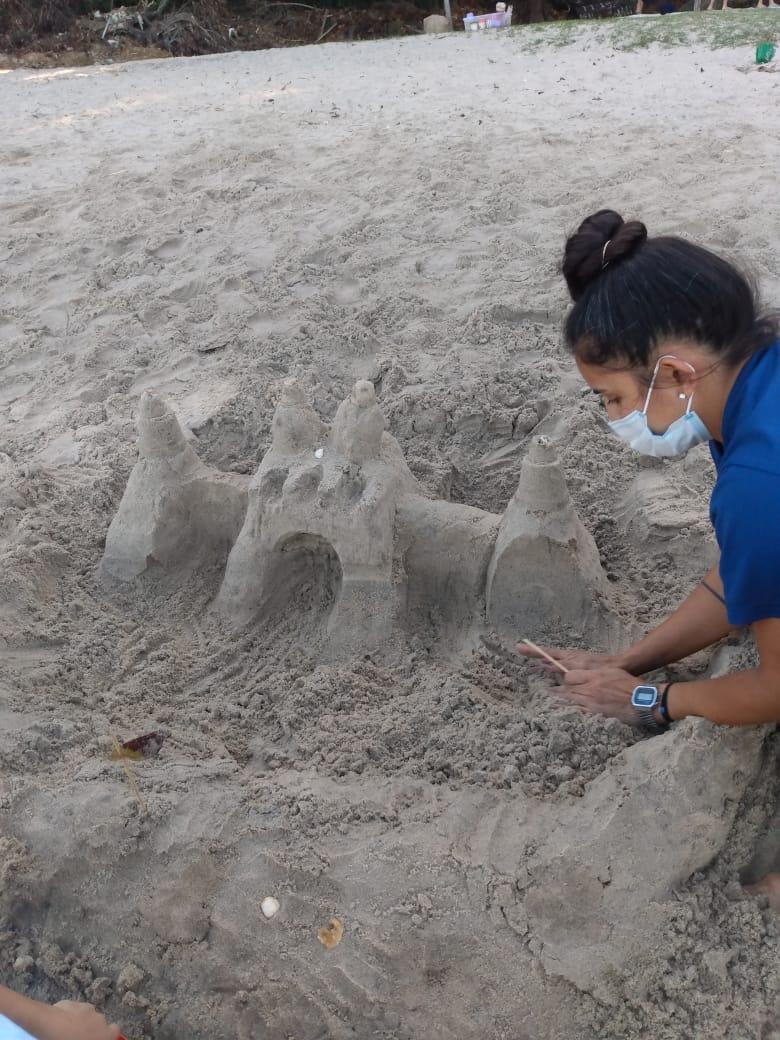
(202, 231)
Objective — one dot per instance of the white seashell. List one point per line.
(269, 906)
(319, 453)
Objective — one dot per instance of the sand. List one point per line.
(393, 212)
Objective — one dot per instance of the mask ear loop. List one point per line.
(666, 357)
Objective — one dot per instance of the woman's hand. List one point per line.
(572, 659)
(603, 691)
(70, 1020)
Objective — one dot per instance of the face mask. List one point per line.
(683, 434)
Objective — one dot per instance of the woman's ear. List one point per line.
(678, 374)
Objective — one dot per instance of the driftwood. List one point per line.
(182, 32)
(323, 31)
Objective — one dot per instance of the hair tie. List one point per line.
(604, 262)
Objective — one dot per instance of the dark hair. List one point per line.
(632, 292)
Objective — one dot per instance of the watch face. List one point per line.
(644, 696)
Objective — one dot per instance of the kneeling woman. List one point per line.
(669, 335)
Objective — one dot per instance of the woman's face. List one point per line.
(623, 391)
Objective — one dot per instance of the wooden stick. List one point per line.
(545, 655)
(325, 33)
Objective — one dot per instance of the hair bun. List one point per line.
(602, 238)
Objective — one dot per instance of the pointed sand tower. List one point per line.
(545, 580)
(175, 511)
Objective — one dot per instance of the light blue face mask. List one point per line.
(683, 434)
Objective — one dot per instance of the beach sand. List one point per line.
(395, 212)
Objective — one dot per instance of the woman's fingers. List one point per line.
(571, 704)
(580, 683)
(578, 677)
(579, 659)
(577, 697)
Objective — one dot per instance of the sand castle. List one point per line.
(340, 509)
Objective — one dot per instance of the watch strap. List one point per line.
(663, 707)
(648, 721)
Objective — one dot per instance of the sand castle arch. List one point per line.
(303, 567)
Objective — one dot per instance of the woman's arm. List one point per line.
(698, 622)
(742, 698)
(64, 1021)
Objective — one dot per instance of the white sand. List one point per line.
(446, 169)
(395, 211)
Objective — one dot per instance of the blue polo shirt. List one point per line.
(745, 504)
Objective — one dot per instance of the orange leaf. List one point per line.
(331, 936)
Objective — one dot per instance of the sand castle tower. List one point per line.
(175, 509)
(295, 427)
(545, 579)
(322, 512)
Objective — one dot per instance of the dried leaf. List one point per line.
(146, 746)
(123, 752)
(331, 936)
(118, 753)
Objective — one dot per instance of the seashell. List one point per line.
(269, 906)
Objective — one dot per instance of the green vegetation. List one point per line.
(745, 28)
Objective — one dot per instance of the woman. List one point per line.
(670, 337)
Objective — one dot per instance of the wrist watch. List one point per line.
(645, 700)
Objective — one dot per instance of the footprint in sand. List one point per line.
(169, 249)
(8, 330)
(346, 292)
(185, 291)
(124, 245)
(26, 215)
(14, 389)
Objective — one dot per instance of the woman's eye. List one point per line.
(605, 401)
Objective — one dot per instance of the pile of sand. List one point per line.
(392, 212)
